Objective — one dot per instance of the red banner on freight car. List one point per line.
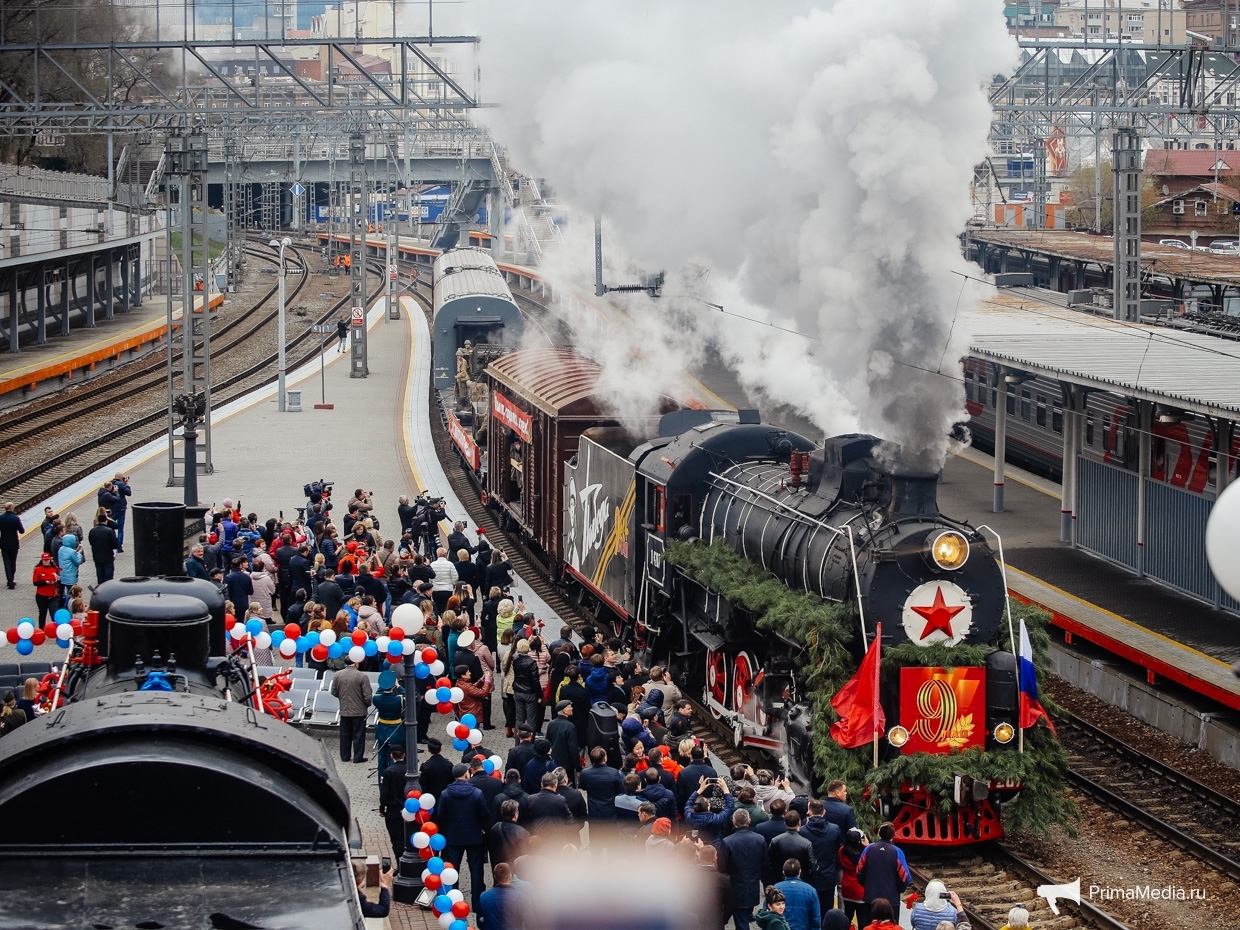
(943, 709)
(464, 442)
(509, 414)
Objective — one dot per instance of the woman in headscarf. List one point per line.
(389, 701)
(938, 904)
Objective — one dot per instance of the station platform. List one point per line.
(1169, 635)
(64, 360)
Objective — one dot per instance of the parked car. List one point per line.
(1175, 244)
(1225, 247)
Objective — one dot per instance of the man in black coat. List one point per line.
(457, 540)
(656, 793)
(392, 799)
(519, 756)
(299, 572)
(240, 587)
(562, 735)
(836, 809)
(284, 573)
(825, 838)
(687, 781)
(405, 511)
(436, 771)
(769, 829)
(602, 785)
(512, 791)
(740, 856)
(575, 693)
(11, 530)
(506, 840)
(791, 845)
(491, 788)
(329, 596)
(576, 800)
(547, 811)
(103, 549)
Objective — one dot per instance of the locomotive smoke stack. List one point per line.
(914, 494)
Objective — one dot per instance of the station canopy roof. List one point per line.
(1033, 330)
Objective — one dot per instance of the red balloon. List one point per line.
(229, 621)
(423, 818)
(415, 794)
(77, 625)
(49, 629)
(395, 660)
(429, 655)
(359, 637)
(443, 682)
(426, 852)
(292, 630)
(430, 828)
(460, 909)
(432, 882)
(39, 638)
(444, 708)
(396, 633)
(11, 635)
(461, 731)
(319, 653)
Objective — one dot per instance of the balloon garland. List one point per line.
(26, 635)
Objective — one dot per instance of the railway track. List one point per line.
(1168, 803)
(47, 477)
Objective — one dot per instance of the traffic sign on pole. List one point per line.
(296, 190)
(359, 316)
(392, 272)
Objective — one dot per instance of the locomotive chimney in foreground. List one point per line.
(914, 495)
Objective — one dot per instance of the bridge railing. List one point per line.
(25, 181)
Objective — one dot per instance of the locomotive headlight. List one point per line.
(1004, 733)
(897, 736)
(950, 550)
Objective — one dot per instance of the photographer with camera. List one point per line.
(361, 501)
(937, 905)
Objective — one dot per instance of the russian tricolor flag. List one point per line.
(1030, 709)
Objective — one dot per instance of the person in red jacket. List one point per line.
(474, 692)
(852, 893)
(46, 587)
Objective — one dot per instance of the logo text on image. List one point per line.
(1167, 892)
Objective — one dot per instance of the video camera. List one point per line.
(319, 492)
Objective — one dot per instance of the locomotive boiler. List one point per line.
(156, 795)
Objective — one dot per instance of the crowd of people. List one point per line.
(592, 738)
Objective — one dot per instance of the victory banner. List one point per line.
(943, 709)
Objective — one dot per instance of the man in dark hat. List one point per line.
(392, 799)
(390, 727)
(562, 735)
(436, 771)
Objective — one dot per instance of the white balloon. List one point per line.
(405, 815)
(420, 840)
(436, 668)
(288, 648)
(408, 647)
(457, 695)
(327, 637)
(64, 631)
(498, 762)
(263, 640)
(425, 873)
(429, 697)
(416, 625)
(237, 632)
(455, 894)
(382, 642)
(475, 737)
(446, 919)
(1222, 540)
(356, 654)
(405, 614)
(449, 876)
(450, 726)
(25, 629)
(426, 802)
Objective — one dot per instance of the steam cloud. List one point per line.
(806, 165)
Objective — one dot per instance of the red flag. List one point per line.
(861, 715)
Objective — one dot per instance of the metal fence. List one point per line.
(1106, 510)
(53, 185)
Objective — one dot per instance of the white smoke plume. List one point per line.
(815, 158)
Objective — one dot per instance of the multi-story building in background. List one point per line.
(1149, 22)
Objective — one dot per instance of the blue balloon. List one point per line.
(313, 637)
(470, 721)
(254, 626)
(303, 643)
(458, 924)
(438, 842)
(24, 647)
(443, 904)
(412, 806)
(277, 637)
(62, 643)
(488, 766)
(434, 865)
(421, 669)
(395, 649)
(443, 695)
(62, 616)
(460, 745)
(371, 648)
(335, 651)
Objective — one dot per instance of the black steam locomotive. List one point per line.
(834, 521)
(157, 795)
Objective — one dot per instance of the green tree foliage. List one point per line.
(827, 633)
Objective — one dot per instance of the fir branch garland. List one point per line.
(826, 632)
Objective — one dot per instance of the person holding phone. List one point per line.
(381, 907)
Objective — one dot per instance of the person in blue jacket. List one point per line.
(698, 815)
(122, 490)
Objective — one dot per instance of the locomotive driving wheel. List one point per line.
(716, 680)
(744, 680)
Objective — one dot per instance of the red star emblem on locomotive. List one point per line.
(938, 616)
